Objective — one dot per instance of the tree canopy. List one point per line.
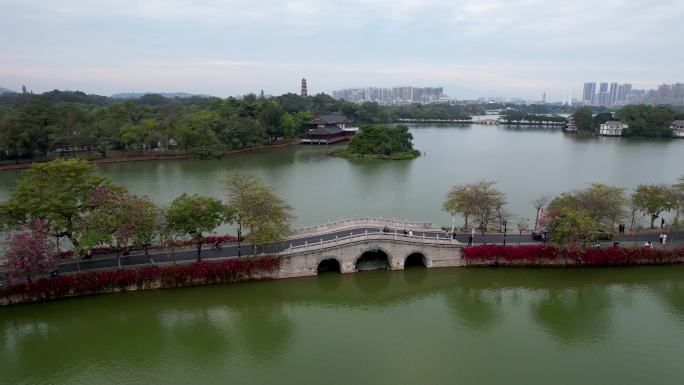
(55, 192)
(255, 205)
(381, 141)
(195, 215)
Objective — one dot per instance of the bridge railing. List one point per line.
(391, 236)
(365, 221)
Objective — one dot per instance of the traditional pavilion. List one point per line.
(327, 129)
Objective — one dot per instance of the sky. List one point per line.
(473, 48)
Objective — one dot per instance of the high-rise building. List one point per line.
(304, 91)
(589, 92)
(613, 93)
(623, 92)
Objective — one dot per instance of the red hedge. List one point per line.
(585, 256)
(93, 282)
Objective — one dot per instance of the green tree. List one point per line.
(479, 200)
(256, 206)
(601, 118)
(117, 218)
(195, 215)
(583, 119)
(568, 226)
(289, 125)
(270, 118)
(654, 199)
(56, 192)
(459, 200)
(383, 141)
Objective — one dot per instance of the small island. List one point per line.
(378, 141)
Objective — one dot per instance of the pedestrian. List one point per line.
(410, 233)
(470, 240)
(446, 233)
(662, 222)
(664, 239)
(660, 238)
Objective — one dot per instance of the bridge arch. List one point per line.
(416, 258)
(329, 265)
(373, 258)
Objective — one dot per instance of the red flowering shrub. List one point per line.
(93, 282)
(31, 253)
(586, 256)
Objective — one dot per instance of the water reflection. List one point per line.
(574, 314)
(671, 295)
(477, 309)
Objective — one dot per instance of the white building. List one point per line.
(677, 128)
(612, 128)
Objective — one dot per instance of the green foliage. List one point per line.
(567, 226)
(653, 199)
(583, 119)
(195, 215)
(393, 142)
(480, 201)
(601, 118)
(56, 192)
(519, 117)
(603, 203)
(647, 121)
(255, 205)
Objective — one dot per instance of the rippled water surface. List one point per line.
(524, 162)
(439, 326)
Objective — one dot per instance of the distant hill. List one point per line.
(171, 95)
(5, 90)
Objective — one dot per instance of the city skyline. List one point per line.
(471, 48)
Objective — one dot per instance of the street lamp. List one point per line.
(239, 236)
(505, 223)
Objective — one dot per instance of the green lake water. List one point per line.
(441, 326)
(524, 162)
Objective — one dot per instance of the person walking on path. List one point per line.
(662, 222)
(661, 238)
(410, 233)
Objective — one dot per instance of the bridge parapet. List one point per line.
(304, 259)
(352, 223)
(365, 236)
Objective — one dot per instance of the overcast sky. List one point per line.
(228, 47)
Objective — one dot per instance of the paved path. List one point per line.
(138, 258)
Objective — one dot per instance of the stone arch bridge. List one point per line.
(349, 254)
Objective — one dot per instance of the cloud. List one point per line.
(229, 44)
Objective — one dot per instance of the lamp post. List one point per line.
(505, 223)
(239, 236)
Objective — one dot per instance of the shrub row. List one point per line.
(585, 256)
(93, 282)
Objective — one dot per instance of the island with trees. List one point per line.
(377, 141)
(643, 120)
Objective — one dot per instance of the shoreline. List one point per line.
(144, 158)
(259, 268)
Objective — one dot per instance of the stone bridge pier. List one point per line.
(370, 251)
